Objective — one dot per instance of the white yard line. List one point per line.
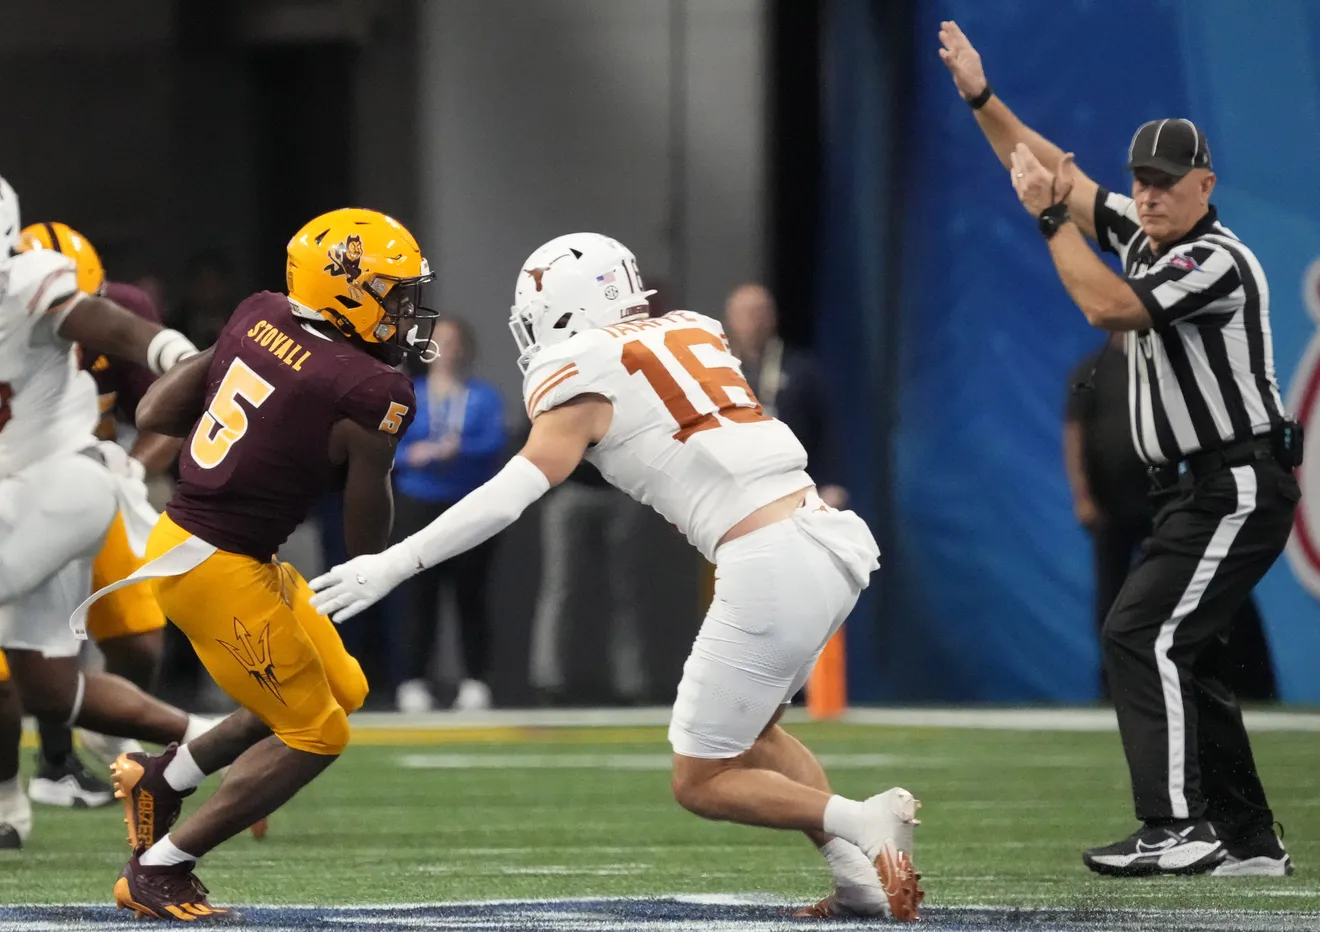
(647, 762)
(995, 719)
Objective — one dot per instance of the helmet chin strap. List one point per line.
(432, 351)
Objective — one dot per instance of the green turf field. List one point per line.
(577, 812)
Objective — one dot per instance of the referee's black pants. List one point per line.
(1214, 537)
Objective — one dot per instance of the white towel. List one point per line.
(842, 533)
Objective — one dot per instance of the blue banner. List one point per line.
(989, 578)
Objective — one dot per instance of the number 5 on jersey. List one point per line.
(225, 421)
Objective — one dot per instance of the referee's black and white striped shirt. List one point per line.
(1203, 376)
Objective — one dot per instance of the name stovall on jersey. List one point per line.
(260, 456)
(688, 436)
(47, 405)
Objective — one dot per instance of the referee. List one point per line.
(1206, 417)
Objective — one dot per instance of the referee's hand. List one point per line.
(962, 59)
(1036, 186)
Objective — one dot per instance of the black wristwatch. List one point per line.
(1052, 218)
(981, 99)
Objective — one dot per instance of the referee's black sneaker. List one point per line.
(1257, 855)
(1189, 847)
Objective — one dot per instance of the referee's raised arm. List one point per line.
(1003, 129)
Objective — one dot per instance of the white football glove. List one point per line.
(355, 586)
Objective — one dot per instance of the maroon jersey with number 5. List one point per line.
(259, 457)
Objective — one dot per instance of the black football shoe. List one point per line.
(1258, 855)
(1190, 847)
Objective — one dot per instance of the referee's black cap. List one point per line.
(1174, 147)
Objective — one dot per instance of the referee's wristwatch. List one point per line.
(1052, 219)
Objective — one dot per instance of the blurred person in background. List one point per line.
(590, 529)
(784, 378)
(1111, 499)
(453, 446)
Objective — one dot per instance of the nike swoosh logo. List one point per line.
(1143, 848)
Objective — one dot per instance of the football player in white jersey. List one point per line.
(661, 408)
(59, 493)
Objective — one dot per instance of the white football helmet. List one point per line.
(573, 283)
(10, 222)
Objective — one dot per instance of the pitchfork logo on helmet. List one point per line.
(576, 282)
(363, 272)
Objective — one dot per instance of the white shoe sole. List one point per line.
(1193, 857)
(66, 794)
(1254, 867)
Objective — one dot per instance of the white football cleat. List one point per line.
(889, 820)
(891, 817)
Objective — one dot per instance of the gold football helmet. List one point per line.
(63, 238)
(363, 272)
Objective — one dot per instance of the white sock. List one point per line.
(843, 819)
(164, 853)
(182, 773)
(199, 725)
(848, 865)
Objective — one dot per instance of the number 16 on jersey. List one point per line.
(700, 409)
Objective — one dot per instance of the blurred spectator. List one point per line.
(1111, 500)
(453, 446)
(209, 296)
(589, 531)
(784, 379)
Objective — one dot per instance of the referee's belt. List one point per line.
(1206, 462)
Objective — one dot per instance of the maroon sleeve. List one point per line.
(128, 381)
(383, 400)
(134, 299)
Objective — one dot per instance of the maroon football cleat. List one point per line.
(151, 805)
(171, 893)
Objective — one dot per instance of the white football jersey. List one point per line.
(688, 436)
(47, 405)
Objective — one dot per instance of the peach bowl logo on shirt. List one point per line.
(1304, 400)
